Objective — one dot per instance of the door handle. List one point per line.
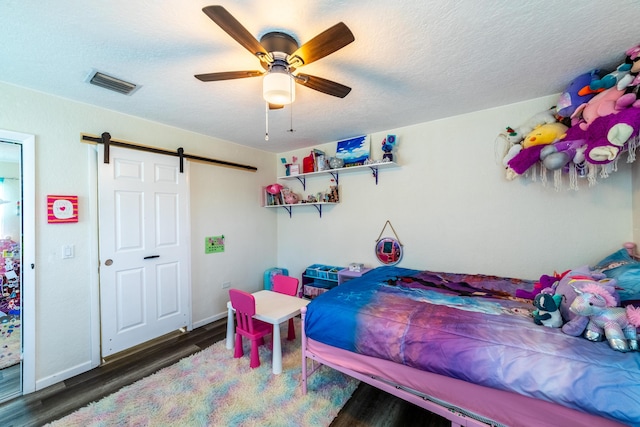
(152, 256)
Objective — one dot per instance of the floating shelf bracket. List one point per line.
(288, 209)
(335, 175)
(374, 169)
(303, 181)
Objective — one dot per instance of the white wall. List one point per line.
(223, 201)
(453, 209)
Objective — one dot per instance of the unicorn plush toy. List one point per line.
(618, 324)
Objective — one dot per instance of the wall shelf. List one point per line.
(335, 173)
(289, 208)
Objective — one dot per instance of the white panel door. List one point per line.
(144, 248)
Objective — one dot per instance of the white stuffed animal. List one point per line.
(541, 118)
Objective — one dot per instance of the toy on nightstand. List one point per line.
(387, 146)
(354, 266)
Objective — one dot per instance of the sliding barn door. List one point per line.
(144, 248)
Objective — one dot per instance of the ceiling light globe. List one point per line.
(278, 88)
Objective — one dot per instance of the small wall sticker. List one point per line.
(213, 244)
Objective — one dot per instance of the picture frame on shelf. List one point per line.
(354, 151)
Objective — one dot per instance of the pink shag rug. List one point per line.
(211, 388)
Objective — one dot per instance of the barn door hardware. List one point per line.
(107, 142)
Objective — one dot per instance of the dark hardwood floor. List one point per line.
(370, 407)
(367, 407)
(10, 382)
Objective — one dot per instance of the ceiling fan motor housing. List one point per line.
(277, 41)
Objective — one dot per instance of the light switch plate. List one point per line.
(68, 251)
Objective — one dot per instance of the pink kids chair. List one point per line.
(289, 286)
(246, 326)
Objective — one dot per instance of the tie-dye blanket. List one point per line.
(473, 328)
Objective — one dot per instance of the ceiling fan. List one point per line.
(280, 56)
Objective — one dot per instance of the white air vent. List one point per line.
(112, 83)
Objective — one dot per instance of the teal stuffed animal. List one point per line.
(547, 311)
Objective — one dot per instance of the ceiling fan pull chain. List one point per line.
(291, 106)
(266, 116)
(291, 118)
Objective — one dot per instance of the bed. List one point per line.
(464, 347)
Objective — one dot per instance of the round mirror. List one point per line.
(388, 251)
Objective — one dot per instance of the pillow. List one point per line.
(626, 270)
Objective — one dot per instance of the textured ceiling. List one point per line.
(412, 61)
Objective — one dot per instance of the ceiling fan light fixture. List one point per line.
(278, 87)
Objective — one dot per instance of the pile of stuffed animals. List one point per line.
(585, 302)
(596, 119)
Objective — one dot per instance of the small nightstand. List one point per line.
(345, 275)
(319, 278)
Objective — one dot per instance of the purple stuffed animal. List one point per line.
(573, 97)
(574, 324)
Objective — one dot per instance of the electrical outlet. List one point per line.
(226, 285)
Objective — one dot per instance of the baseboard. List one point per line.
(208, 320)
(63, 375)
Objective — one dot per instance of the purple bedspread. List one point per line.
(471, 327)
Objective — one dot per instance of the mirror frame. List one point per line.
(388, 251)
(28, 280)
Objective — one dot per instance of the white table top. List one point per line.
(275, 308)
(271, 307)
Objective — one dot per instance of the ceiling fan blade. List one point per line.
(231, 26)
(324, 44)
(323, 85)
(275, 106)
(227, 75)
